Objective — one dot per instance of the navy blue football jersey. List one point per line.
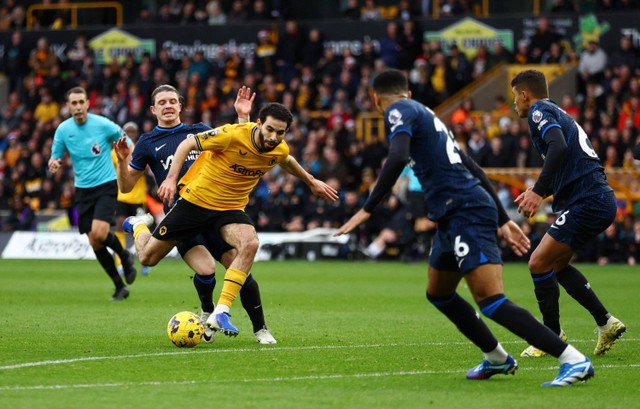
(434, 157)
(158, 147)
(581, 174)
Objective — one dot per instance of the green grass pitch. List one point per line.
(350, 335)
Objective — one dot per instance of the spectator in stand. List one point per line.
(22, 217)
(352, 12)
(480, 62)
(14, 60)
(522, 52)
(215, 13)
(370, 11)
(47, 109)
(410, 40)
(42, 59)
(461, 67)
(593, 61)
(289, 50)
(554, 55)
(265, 54)
(390, 45)
(500, 54)
(623, 55)
(238, 12)
(259, 11)
(542, 39)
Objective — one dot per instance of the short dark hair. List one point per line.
(391, 82)
(276, 111)
(534, 81)
(76, 90)
(165, 88)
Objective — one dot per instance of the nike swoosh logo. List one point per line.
(160, 147)
(553, 227)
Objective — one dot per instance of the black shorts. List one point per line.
(185, 220)
(96, 203)
(129, 209)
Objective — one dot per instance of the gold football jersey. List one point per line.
(229, 167)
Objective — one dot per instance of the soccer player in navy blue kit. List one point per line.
(88, 138)
(572, 173)
(156, 149)
(461, 199)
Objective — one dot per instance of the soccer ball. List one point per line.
(185, 329)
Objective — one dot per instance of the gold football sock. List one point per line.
(140, 228)
(122, 238)
(233, 281)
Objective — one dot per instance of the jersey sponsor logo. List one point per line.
(536, 116)
(246, 172)
(95, 149)
(542, 124)
(160, 147)
(395, 119)
(207, 134)
(166, 164)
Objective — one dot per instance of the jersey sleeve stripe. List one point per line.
(544, 131)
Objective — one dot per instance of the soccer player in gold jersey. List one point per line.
(215, 191)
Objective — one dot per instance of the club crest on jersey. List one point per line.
(95, 149)
(163, 230)
(536, 116)
(272, 162)
(395, 119)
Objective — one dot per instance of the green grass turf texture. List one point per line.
(350, 335)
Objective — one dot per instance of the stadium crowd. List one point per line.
(326, 92)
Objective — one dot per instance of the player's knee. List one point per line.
(147, 259)
(537, 264)
(251, 246)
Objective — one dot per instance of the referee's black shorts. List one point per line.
(97, 202)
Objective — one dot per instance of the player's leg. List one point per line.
(485, 284)
(241, 235)
(200, 260)
(105, 210)
(96, 234)
(444, 276)
(251, 301)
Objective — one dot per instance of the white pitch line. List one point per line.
(260, 380)
(259, 349)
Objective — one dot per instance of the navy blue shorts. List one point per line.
(210, 240)
(584, 220)
(466, 240)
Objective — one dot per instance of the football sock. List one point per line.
(463, 315)
(519, 321)
(548, 295)
(497, 356)
(140, 228)
(122, 238)
(571, 356)
(112, 242)
(204, 287)
(106, 261)
(233, 281)
(577, 286)
(250, 298)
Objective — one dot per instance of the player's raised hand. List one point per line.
(357, 219)
(122, 148)
(515, 238)
(244, 102)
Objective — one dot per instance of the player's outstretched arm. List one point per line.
(318, 187)
(167, 190)
(244, 103)
(357, 219)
